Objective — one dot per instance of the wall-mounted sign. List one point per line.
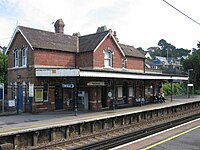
(53, 71)
(38, 95)
(190, 84)
(81, 93)
(93, 83)
(69, 86)
(1, 91)
(11, 103)
(31, 90)
(110, 94)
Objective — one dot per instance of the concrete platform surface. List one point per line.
(31, 122)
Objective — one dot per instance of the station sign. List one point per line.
(1, 91)
(96, 83)
(190, 85)
(68, 86)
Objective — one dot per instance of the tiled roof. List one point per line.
(163, 60)
(131, 51)
(58, 41)
(50, 40)
(91, 41)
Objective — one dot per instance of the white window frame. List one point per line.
(119, 92)
(24, 57)
(124, 63)
(131, 91)
(108, 57)
(16, 57)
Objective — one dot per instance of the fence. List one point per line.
(6, 106)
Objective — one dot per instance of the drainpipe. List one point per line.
(113, 96)
(171, 89)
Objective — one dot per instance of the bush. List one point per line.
(177, 88)
(197, 91)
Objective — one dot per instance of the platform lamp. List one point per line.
(188, 89)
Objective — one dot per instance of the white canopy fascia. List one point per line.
(64, 72)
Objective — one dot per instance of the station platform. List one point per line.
(31, 122)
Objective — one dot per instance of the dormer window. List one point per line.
(16, 57)
(107, 59)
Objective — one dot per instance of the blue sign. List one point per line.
(69, 86)
(1, 94)
(1, 91)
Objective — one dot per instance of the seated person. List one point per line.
(162, 98)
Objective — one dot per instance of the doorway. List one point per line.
(19, 99)
(125, 92)
(58, 97)
(104, 96)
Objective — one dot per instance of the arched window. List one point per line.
(108, 59)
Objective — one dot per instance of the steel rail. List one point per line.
(126, 138)
(153, 126)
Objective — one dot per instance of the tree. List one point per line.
(154, 51)
(166, 48)
(180, 52)
(3, 66)
(140, 49)
(193, 62)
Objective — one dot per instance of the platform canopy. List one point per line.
(65, 72)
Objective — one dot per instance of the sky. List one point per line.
(140, 23)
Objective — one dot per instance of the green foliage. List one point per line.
(3, 67)
(177, 89)
(193, 62)
(164, 48)
(154, 51)
(197, 91)
(140, 50)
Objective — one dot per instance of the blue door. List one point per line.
(19, 99)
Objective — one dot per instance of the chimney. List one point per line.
(76, 34)
(59, 26)
(101, 29)
(115, 35)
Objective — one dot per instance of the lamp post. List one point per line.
(189, 82)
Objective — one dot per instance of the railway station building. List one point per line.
(50, 71)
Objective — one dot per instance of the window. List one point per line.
(24, 57)
(130, 91)
(119, 92)
(16, 58)
(45, 92)
(108, 59)
(124, 63)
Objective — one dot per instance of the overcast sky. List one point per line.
(141, 23)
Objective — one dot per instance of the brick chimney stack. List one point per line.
(59, 26)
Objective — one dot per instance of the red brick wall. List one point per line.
(21, 74)
(85, 59)
(135, 63)
(54, 58)
(99, 55)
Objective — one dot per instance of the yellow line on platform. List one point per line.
(170, 138)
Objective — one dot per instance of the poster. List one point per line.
(38, 95)
(31, 90)
(11, 103)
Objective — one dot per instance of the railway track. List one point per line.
(118, 136)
